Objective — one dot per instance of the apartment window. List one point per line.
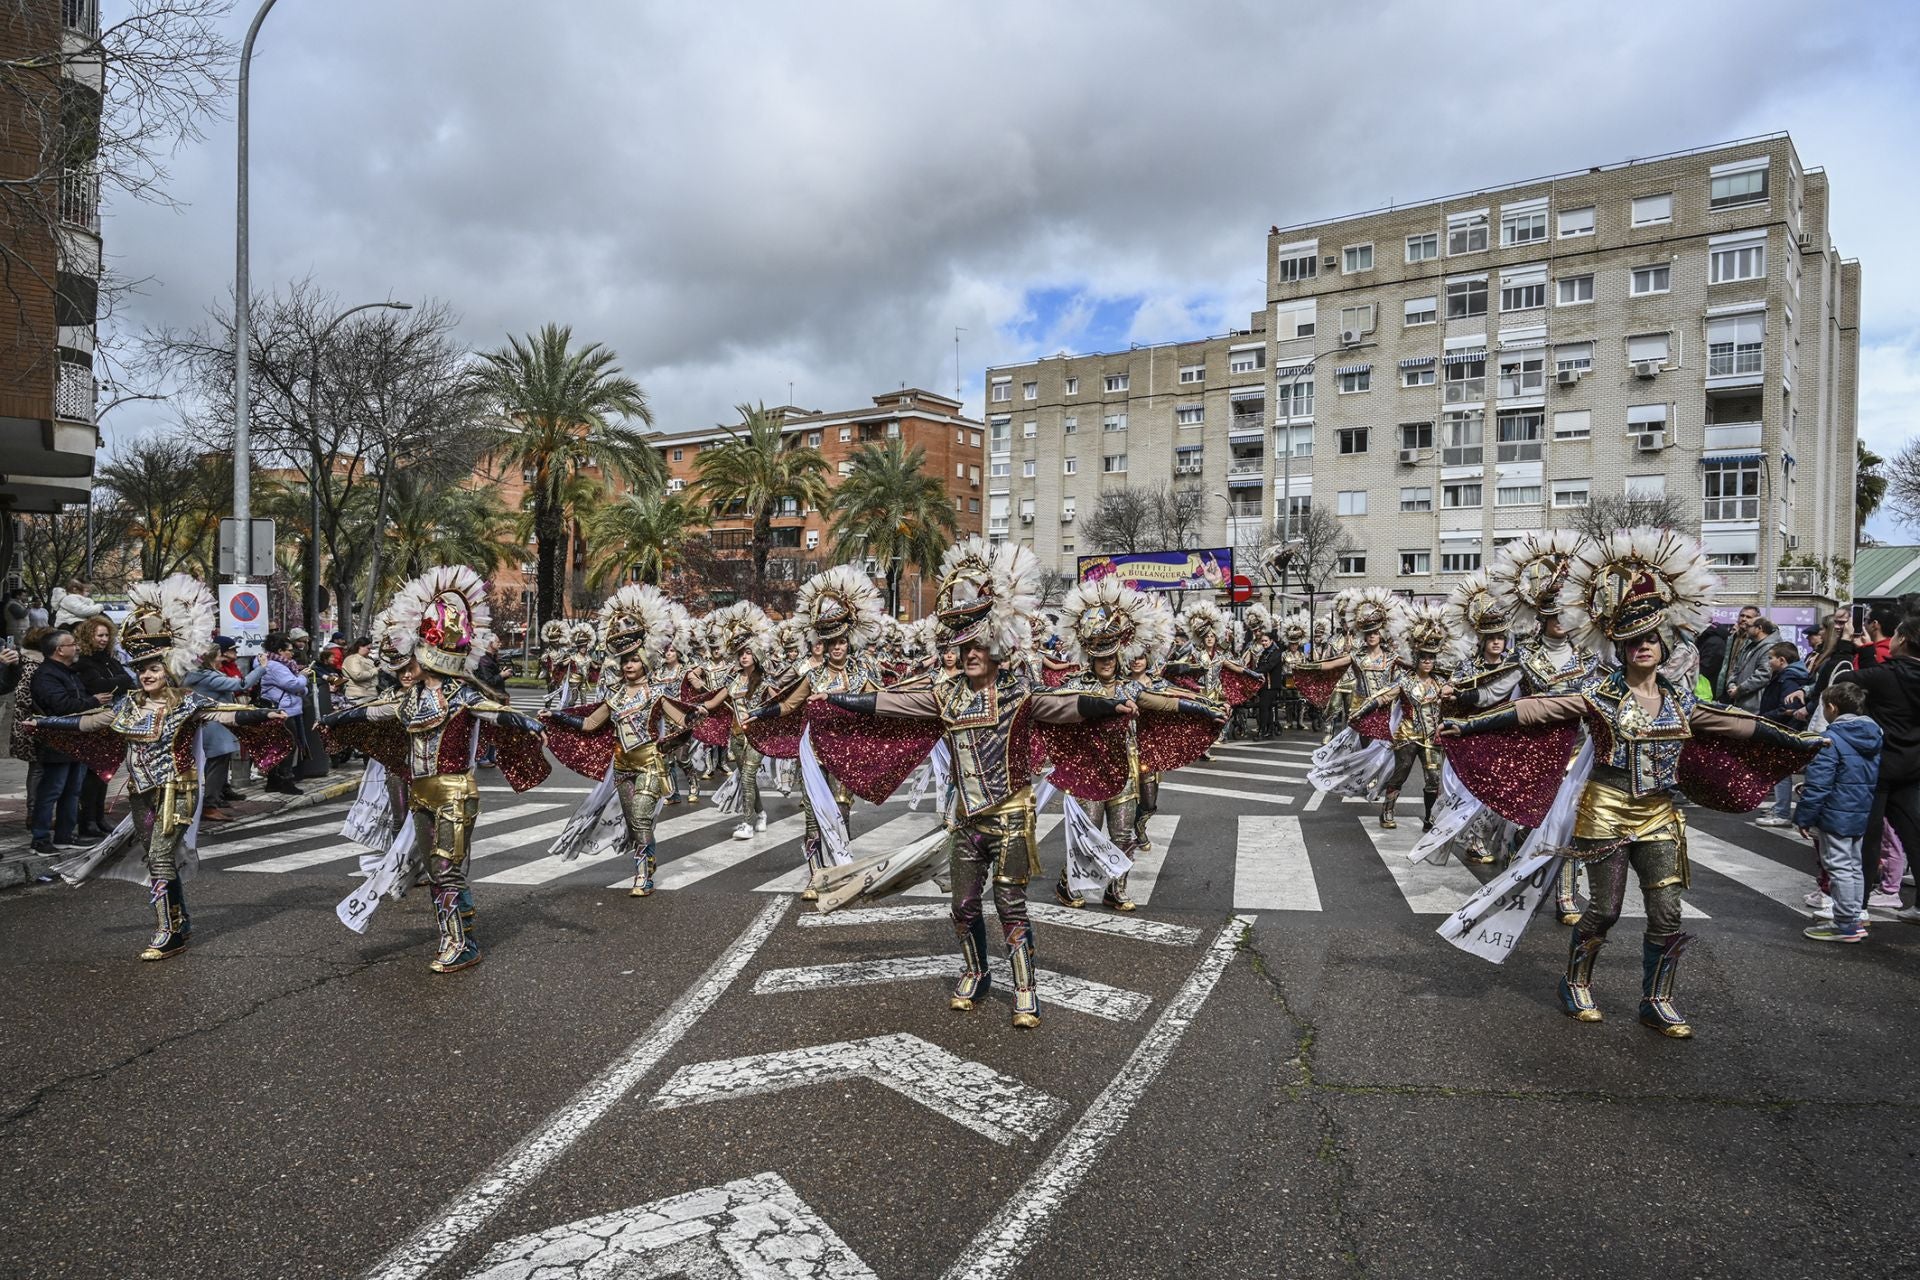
(676, 484)
(1522, 373)
(1466, 298)
(1460, 561)
(1520, 434)
(1729, 189)
(1733, 559)
(1467, 233)
(1296, 399)
(1734, 344)
(1517, 493)
(1418, 376)
(1466, 381)
(974, 436)
(1574, 290)
(1652, 279)
(1029, 391)
(846, 435)
(1420, 311)
(1000, 468)
(1648, 346)
(1572, 493)
(845, 468)
(1646, 486)
(1527, 294)
(1113, 464)
(973, 476)
(973, 506)
(1002, 390)
(1356, 319)
(1356, 257)
(1576, 222)
(813, 439)
(1573, 424)
(1353, 381)
(1352, 564)
(1296, 508)
(1067, 508)
(1191, 415)
(1418, 498)
(1462, 442)
(1116, 381)
(1646, 417)
(1246, 361)
(1416, 435)
(1423, 248)
(1069, 466)
(1350, 502)
(1731, 489)
(1304, 266)
(1029, 429)
(1188, 459)
(1577, 356)
(1294, 320)
(1026, 511)
(1069, 425)
(1460, 493)
(1648, 210)
(1523, 228)
(1414, 563)
(1073, 387)
(1737, 262)
(679, 455)
(1027, 468)
(813, 539)
(1193, 373)
(1302, 441)
(1000, 434)
(1114, 422)
(1353, 439)
(959, 471)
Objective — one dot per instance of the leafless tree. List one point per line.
(169, 493)
(1319, 540)
(1901, 476)
(1123, 520)
(1605, 513)
(1054, 585)
(1179, 515)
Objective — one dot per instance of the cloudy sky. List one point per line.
(738, 197)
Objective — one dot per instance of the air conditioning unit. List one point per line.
(1650, 441)
(1567, 377)
(1350, 337)
(1331, 262)
(1026, 517)
(1646, 368)
(1806, 242)
(1410, 456)
(1066, 517)
(1793, 542)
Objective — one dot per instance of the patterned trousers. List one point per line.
(746, 763)
(996, 848)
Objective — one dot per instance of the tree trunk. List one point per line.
(379, 540)
(762, 545)
(549, 530)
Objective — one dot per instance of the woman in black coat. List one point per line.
(101, 670)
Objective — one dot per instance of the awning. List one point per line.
(1416, 362)
(1461, 357)
(1292, 370)
(1521, 344)
(1716, 456)
(1351, 368)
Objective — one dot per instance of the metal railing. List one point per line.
(1257, 466)
(1248, 422)
(80, 199)
(82, 16)
(75, 393)
(1723, 363)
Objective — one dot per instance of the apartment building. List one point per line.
(1450, 374)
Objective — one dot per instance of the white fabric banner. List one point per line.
(835, 847)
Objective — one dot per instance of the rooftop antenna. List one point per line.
(957, 331)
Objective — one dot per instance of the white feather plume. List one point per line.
(849, 585)
(1522, 568)
(189, 613)
(1202, 618)
(412, 604)
(1606, 569)
(641, 605)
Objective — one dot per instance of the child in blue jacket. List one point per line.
(1834, 806)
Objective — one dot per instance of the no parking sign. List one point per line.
(243, 615)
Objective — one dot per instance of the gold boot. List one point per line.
(1388, 821)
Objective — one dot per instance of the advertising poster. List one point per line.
(1198, 570)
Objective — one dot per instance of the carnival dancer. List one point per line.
(1484, 675)
(1333, 638)
(843, 612)
(159, 722)
(1359, 759)
(1626, 596)
(1415, 695)
(1108, 628)
(441, 620)
(1294, 633)
(747, 637)
(985, 599)
(554, 652)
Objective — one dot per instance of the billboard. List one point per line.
(1195, 570)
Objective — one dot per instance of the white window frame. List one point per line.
(1573, 291)
(1072, 387)
(1113, 382)
(1420, 311)
(1522, 373)
(1001, 468)
(1646, 417)
(1365, 441)
(1658, 277)
(1189, 459)
(1424, 247)
(1737, 345)
(1350, 255)
(1029, 391)
(1193, 373)
(1730, 264)
(1416, 435)
(1570, 232)
(1350, 502)
(1739, 505)
(1113, 464)
(1290, 397)
(1511, 224)
(1002, 390)
(1460, 561)
(1356, 383)
(1030, 429)
(1113, 423)
(1463, 438)
(1467, 289)
(1648, 211)
(1190, 415)
(1416, 562)
(1513, 493)
(1069, 426)
(1302, 263)
(1361, 318)
(1246, 361)
(1468, 227)
(1416, 498)
(1565, 491)
(1573, 355)
(1512, 443)
(1450, 489)
(1070, 465)
(1738, 172)
(1351, 564)
(1645, 486)
(1028, 468)
(1523, 295)
(1666, 353)
(1418, 376)
(1579, 424)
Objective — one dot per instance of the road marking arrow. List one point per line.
(752, 1228)
(968, 1093)
(1082, 995)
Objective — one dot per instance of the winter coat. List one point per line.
(363, 677)
(59, 691)
(1893, 700)
(1750, 673)
(1838, 795)
(104, 673)
(283, 688)
(1712, 644)
(221, 687)
(1792, 678)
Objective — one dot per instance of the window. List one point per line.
(1296, 399)
(813, 439)
(1467, 381)
(1114, 464)
(1573, 355)
(1576, 222)
(1729, 189)
(1356, 319)
(1737, 262)
(1419, 376)
(1293, 320)
(1520, 433)
(1461, 437)
(1190, 415)
(1029, 429)
(1067, 508)
(1523, 227)
(1114, 422)
(1733, 559)
(1002, 390)
(1000, 434)
(1026, 511)
(1419, 498)
(1298, 262)
(1029, 391)
(1073, 386)
(1000, 468)
(1356, 257)
(1298, 507)
(813, 539)
(1027, 468)
(1573, 424)
(1188, 459)
(676, 484)
(1353, 439)
(1574, 290)
(1416, 435)
(1351, 502)
(846, 469)
(974, 436)
(1424, 248)
(1648, 346)
(1466, 232)
(1413, 563)
(1517, 493)
(1648, 210)
(1070, 466)
(1352, 564)
(1117, 382)
(1246, 361)
(1302, 441)
(1460, 561)
(1523, 294)
(846, 434)
(1420, 311)
(1734, 344)
(959, 471)
(1652, 279)
(999, 509)
(973, 476)
(1646, 417)
(973, 506)
(1731, 488)
(1522, 373)
(1354, 381)
(1193, 373)
(1069, 425)
(1572, 493)
(1466, 298)
(1646, 486)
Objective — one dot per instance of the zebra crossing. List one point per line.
(1243, 831)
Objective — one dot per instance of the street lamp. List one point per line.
(313, 478)
(242, 318)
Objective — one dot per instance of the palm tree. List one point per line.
(430, 524)
(752, 474)
(1869, 486)
(639, 533)
(558, 408)
(890, 508)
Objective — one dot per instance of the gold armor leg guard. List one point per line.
(810, 847)
(1121, 817)
(969, 869)
(1566, 898)
(1007, 846)
(1387, 802)
(453, 819)
(1659, 964)
(169, 811)
(1576, 987)
(639, 805)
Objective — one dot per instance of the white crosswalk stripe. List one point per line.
(1271, 871)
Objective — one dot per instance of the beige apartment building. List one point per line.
(1448, 375)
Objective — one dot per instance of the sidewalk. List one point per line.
(20, 865)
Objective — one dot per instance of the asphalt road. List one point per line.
(1274, 1068)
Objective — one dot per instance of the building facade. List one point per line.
(1448, 375)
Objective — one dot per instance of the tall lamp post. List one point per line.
(315, 461)
(242, 319)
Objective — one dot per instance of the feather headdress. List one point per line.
(446, 611)
(1373, 608)
(553, 633)
(988, 595)
(636, 619)
(172, 619)
(1634, 582)
(1528, 575)
(1472, 609)
(1423, 630)
(1259, 620)
(840, 603)
(1102, 618)
(392, 647)
(582, 636)
(1202, 620)
(737, 626)
(1296, 628)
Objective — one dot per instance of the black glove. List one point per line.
(1194, 706)
(568, 719)
(255, 715)
(1508, 717)
(1094, 707)
(864, 703)
(351, 715)
(767, 712)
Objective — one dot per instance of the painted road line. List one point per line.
(550, 867)
(1429, 890)
(1315, 800)
(470, 1210)
(971, 1094)
(1259, 797)
(1761, 874)
(891, 834)
(1273, 759)
(1043, 825)
(754, 1227)
(1088, 920)
(1289, 776)
(311, 828)
(1082, 995)
(1146, 866)
(1271, 871)
(344, 848)
(724, 854)
(874, 915)
(1027, 1216)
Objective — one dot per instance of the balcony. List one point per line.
(1254, 466)
(1466, 390)
(1248, 422)
(82, 17)
(80, 199)
(1241, 511)
(76, 393)
(1733, 435)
